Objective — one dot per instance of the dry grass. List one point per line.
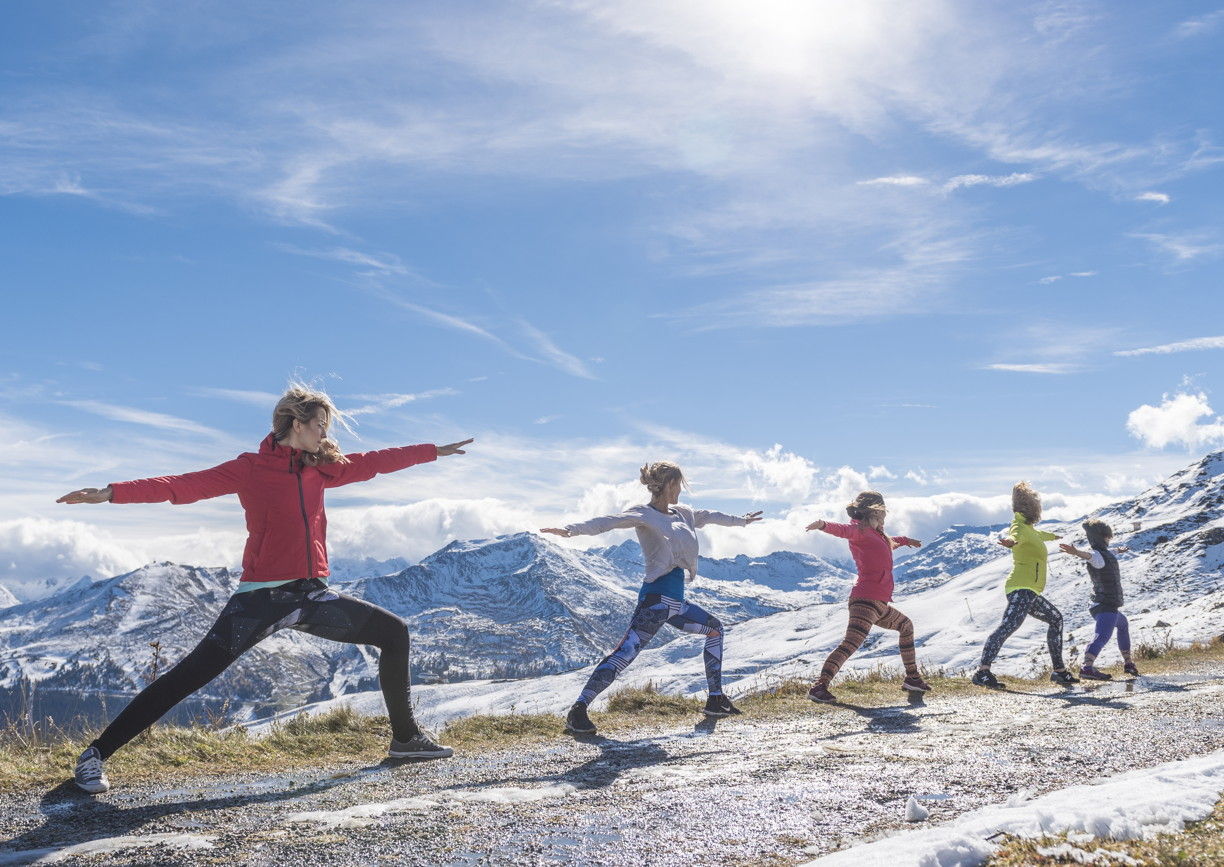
(1201, 844)
(166, 752)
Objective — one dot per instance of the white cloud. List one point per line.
(1159, 198)
(1053, 368)
(1186, 246)
(378, 263)
(1177, 421)
(896, 181)
(382, 402)
(1054, 278)
(1045, 281)
(1200, 26)
(880, 472)
(546, 419)
(553, 354)
(1011, 180)
(131, 415)
(1195, 344)
(264, 399)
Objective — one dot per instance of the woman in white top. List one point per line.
(667, 533)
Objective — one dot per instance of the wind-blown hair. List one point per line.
(301, 403)
(659, 475)
(1099, 533)
(1027, 502)
(864, 504)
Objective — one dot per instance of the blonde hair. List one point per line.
(659, 475)
(1027, 502)
(302, 403)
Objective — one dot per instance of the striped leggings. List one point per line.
(864, 614)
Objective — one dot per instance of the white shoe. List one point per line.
(89, 773)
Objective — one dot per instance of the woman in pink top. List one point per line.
(873, 555)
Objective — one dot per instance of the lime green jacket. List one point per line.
(1028, 556)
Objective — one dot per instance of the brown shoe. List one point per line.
(820, 692)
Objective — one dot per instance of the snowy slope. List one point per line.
(1172, 578)
(6, 598)
(957, 549)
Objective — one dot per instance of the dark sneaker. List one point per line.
(1131, 669)
(1089, 672)
(89, 774)
(1063, 678)
(915, 684)
(577, 722)
(719, 705)
(820, 692)
(983, 677)
(421, 746)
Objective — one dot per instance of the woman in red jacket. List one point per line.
(869, 598)
(284, 569)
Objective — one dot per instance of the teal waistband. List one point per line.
(670, 584)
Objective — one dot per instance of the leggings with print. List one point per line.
(1021, 604)
(651, 613)
(864, 614)
(250, 617)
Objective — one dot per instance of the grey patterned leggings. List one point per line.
(1021, 604)
(652, 612)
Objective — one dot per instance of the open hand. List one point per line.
(751, 517)
(1068, 549)
(1008, 543)
(556, 531)
(815, 525)
(87, 495)
(454, 448)
(913, 543)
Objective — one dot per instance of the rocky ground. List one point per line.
(778, 791)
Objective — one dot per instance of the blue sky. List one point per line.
(800, 251)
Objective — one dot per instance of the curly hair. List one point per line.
(659, 475)
(1027, 502)
(302, 403)
(1098, 532)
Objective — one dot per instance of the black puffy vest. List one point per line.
(1106, 583)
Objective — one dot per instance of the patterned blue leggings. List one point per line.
(1020, 604)
(652, 612)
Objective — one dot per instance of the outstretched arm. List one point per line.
(595, 526)
(218, 481)
(363, 466)
(907, 541)
(701, 517)
(842, 531)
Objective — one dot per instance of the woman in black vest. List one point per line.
(1106, 599)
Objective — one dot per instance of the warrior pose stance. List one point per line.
(1106, 600)
(869, 604)
(284, 569)
(1024, 586)
(667, 533)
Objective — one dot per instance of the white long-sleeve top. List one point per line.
(667, 540)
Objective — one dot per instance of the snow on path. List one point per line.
(1130, 806)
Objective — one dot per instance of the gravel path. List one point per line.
(742, 791)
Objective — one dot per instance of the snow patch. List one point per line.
(1131, 806)
(104, 846)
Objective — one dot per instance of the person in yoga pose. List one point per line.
(284, 569)
(869, 606)
(1024, 587)
(1107, 600)
(667, 532)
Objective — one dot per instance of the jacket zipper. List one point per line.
(306, 524)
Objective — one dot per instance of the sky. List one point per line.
(802, 250)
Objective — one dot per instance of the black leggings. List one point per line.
(248, 618)
(1022, 604)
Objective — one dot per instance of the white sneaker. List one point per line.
(89, 773)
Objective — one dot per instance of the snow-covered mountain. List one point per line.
(352, 568)
(6, 598)
(1173, 578)
(958, 549)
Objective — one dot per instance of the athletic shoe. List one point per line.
(577, 722)
(983, 677)
(1131, 669)
(820, 692)
(1063, 678)
(1092, 673)
(89, 773)
(419, 746)
(719, 705)
(915, 684)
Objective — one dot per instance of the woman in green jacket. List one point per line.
(1024, 586)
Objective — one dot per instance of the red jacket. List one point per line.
(872, 555)
(283, 500)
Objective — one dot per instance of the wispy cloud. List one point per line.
(1011, 180)
(382, 402)
(237, 395)
(1192, 345)
(1152, 196)
(1054, 278)
(1186, 246)
(132, 415)
(554, 354)
(896, 181)
(380, 264)
(1057, 368)
(1200, 26)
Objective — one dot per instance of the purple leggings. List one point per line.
(1106, 623)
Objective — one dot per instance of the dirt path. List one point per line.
(743, 791)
